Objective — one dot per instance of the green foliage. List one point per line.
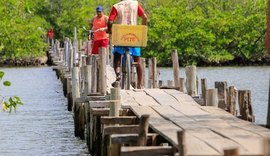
(203, 31)
(9, 103)
(208, 31)
(22, 31)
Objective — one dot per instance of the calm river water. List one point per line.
(42, 126)
(255, 79)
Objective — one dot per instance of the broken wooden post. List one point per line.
(182, 84)
(211, 97)
(231, 152)
(182, 143)
(143, 130)
(102, 71)
(232, 97)
(246, 110)
(222, 95)
(175, 68)
(191, 80)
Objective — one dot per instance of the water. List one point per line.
(255, 79)
(42, 126)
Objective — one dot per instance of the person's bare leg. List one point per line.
(139, 72)
(116, 65)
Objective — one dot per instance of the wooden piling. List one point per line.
(143, 130)
(268, 112)
(244, 101)
(211, 97)
(191, 80)
(204, 88)
(94, 75)
(231, 152)
(150, 73)
(175, 68)
(170, 83)
(182, 84)
(75, 94)
(266, 147)
(222, 94)
(182, 143)
(143, 71)
(102, 71)
(232, 97)
(155, 76)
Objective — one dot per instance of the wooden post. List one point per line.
(268, 112)
(191, 80)
(222, 95)
(94, 75)
(102, 71)
(150, 73)
(245, 106)
(170, 83)
(266, 147)
(115, 106)
(204, 88)
(143, 71)
(182, 84)
(182, 143)
(155, 78)
(70, 65)
(88, 79)
(232, 97)
(231, 152)
(75, 84)
(160, 83)
(211, 97)
(175, 68)
(143, 130)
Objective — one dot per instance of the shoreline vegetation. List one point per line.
(204, 33)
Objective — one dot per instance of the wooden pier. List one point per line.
(148, 121)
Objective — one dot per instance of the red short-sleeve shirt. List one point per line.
(113, 13)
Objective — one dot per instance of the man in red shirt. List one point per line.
(99, 25)
(126, 12)
(50, 36)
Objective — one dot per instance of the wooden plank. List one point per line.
(121, 129)
(181, 97)
(99, 104)
(142, 99)
(127, 100)
(147, 150)
(130, 139)
(124, 120)
(161, 97)
(168, 130)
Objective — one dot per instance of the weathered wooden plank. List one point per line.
(161, 97)
(128, 138)
(124, 120)
(121, 129)
(142, 99)
(147, 150)
(168, 130)
(127, 100)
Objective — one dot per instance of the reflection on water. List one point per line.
(255, 79)
(42, 126)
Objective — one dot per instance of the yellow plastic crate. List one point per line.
(129, 35)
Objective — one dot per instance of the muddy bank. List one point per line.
(41, 61)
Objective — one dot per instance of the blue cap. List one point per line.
(99, 8)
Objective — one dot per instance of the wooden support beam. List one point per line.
(123, 120)
(231, 152)
(121, 129)
(143, 129)
(130, 139)
(147, 150)
(182, 143)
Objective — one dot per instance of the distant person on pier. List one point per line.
(98, 24)
(50, 35)
(126, 12)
